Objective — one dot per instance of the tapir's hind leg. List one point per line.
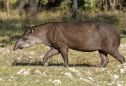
(64, 53)
(118, 56)
(104, 58)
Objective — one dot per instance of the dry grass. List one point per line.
(82, 73)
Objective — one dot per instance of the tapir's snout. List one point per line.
(15, 47)
(20, 44)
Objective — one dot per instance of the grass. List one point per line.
(23, 67)
(81, 73)
(53, 76)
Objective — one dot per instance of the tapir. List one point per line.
(81, 36)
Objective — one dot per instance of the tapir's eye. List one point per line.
(24, 39)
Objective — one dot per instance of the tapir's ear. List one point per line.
(32, 28)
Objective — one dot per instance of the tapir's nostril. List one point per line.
(14, 49)
(20, 47)
(17, 48)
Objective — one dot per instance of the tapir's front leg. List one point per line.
(49, 54)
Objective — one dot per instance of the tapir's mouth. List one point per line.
(18, 48)
(14, 49)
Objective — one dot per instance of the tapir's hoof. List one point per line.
(45, 64)
(66, 65)
(102, 66)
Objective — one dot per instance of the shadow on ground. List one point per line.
(39, 63)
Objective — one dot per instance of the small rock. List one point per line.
(68, 75)
(44, 74)
(103, 69)
(50, 80)
(122, 71)
(116, 77)
(32, 53)
(118, 84)
(75, 71)
(57, 82)
(38, 72)
(1, 79)
(23, 72)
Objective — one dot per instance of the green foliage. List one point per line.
(44, 2)
(90, 5)
(65, 5)
(11, 26)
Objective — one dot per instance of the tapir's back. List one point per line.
(86, 36)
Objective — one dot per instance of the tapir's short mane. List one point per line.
(64, 22)
(46, 23)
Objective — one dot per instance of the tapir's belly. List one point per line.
(85, 44)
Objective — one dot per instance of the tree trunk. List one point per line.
(112, 4)
(92, 3)
(7, 6)
(22, 5)
(74, 9)
(121, 4)
(33, 7)
(39, 6)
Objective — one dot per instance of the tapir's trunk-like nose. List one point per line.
(15, 47)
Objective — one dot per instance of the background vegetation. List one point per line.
(23, 67)
(17, 15)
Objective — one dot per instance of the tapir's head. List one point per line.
(27, 39)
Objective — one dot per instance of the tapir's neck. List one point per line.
(41, 35)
